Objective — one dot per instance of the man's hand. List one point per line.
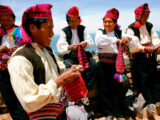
(73, 47)
(14, 48)
(149, 49)
(3, 48)
(69, 75)
(83, 44)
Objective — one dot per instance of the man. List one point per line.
(143, 64)
(34, 69)
(7, 20)
(71, 37)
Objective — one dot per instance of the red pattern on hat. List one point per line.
(112, 13)
(40, 11)
(138, 13)
(73, 12)
(5, 10)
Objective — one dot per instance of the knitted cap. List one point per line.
(138, 13)
(40, 11)
(112, 13)
(73, 12)
(5, 10)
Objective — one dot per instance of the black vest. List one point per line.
(136, 30)
(118, 33)
(68, 32)
(38, 67)
(0, 40)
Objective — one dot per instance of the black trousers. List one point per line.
(145, 76)
(111, 91)
(89, 75)
(13, 105)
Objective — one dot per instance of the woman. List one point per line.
(107, 39)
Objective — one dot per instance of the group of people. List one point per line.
(34, 76)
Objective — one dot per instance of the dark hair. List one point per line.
(114, 20)
(36, 22)
(14, 17)
(68, 18)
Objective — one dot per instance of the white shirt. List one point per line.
(32, 96)
(144, 37)
(107, 43)
(7, 42)
(62, 44)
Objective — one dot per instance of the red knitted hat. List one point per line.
(138, 13)
(73, 12)
(112, 13)
(5, 10)
(40, 11)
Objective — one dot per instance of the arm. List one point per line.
(88, 42)
(134, 44)
(103, 41)
(155, 39)
(62, 44)
(33, 96)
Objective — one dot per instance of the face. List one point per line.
(144, 18)
(7, 21)
(44, 34)
(109, 24)
(74, 22)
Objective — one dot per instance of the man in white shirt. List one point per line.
(144, 65)
(34, 69)
(72, 36)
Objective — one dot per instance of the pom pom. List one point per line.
(19, 36)
(120, 77)
(137, 25)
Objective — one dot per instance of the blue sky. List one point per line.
(91, 11)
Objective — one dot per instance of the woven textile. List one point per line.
(40, 11)
(138, 13)
(112, 13)
(82, 58)
(50, 111)
(73, 12)
(4, 57)
(120, 66)
(76, 89)
(5, 10)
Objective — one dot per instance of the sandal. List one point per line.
(151, 109)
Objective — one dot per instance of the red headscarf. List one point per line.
(112, 13)
(138, 13)
(73, 12)
(5, 10)
(40, 11)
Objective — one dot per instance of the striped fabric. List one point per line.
(50, 111)
(76, 89)
(4, 57)
(5, 10)
(120, 65)
(112, 13)
(107, 57)
(82, 58)
(40, 11)
(138, 13)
